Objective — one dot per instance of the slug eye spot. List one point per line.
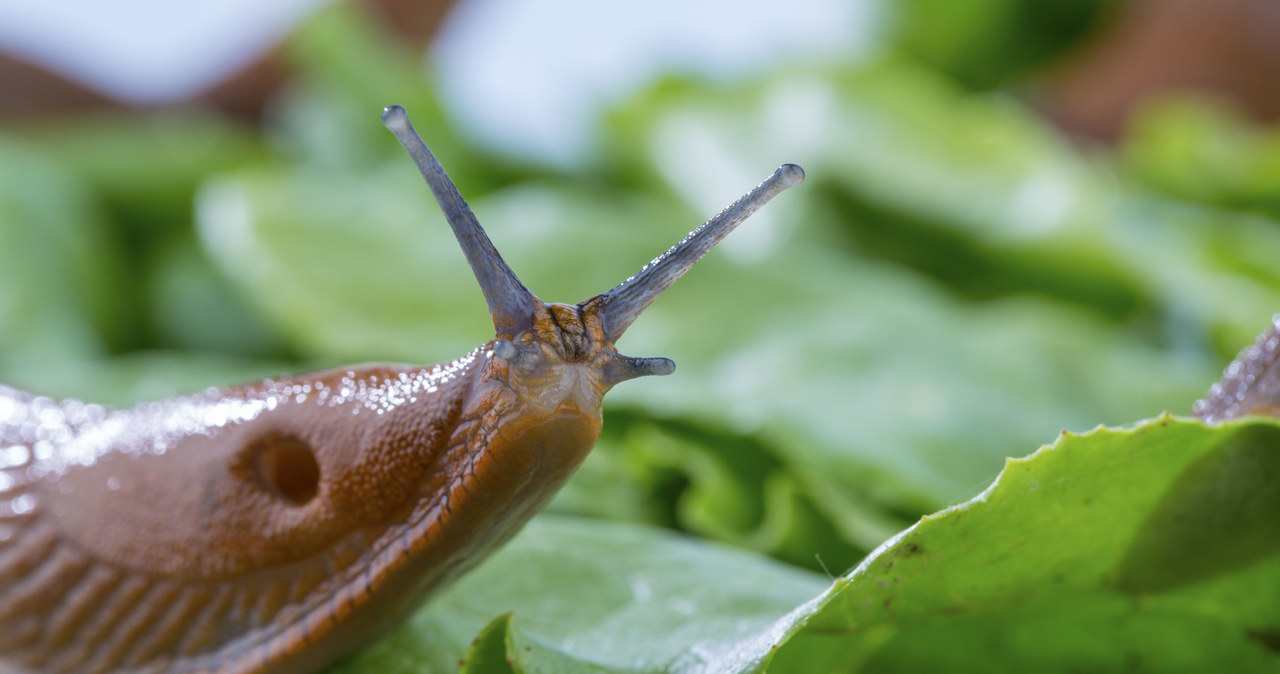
(286, 467)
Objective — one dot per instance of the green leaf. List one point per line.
(59, 289)
(488, 653)
(575, 595)
(723, 486)
(1151, 549)
(1200, 150)
(194, 307)
(985, 43)
(146, 167)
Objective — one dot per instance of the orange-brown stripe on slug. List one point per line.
(278, 526)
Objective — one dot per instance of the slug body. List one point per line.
(279, 526)
(1250, 384)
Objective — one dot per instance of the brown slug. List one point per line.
(278, 526)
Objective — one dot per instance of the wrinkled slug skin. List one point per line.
(154, 539)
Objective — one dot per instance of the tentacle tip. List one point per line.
(626, 368)
(660, 366)
(395, 118)
(649, 367)
(790, 175)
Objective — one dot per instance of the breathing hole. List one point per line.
(288, 468)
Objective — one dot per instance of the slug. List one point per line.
(1250, 384)
(278, 526)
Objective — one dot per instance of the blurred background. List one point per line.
(1020, 218)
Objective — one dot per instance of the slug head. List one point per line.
(552, 353)
(565, 355)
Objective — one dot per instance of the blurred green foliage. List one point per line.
(986, 44)
(955, 284)
(1201, 151)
